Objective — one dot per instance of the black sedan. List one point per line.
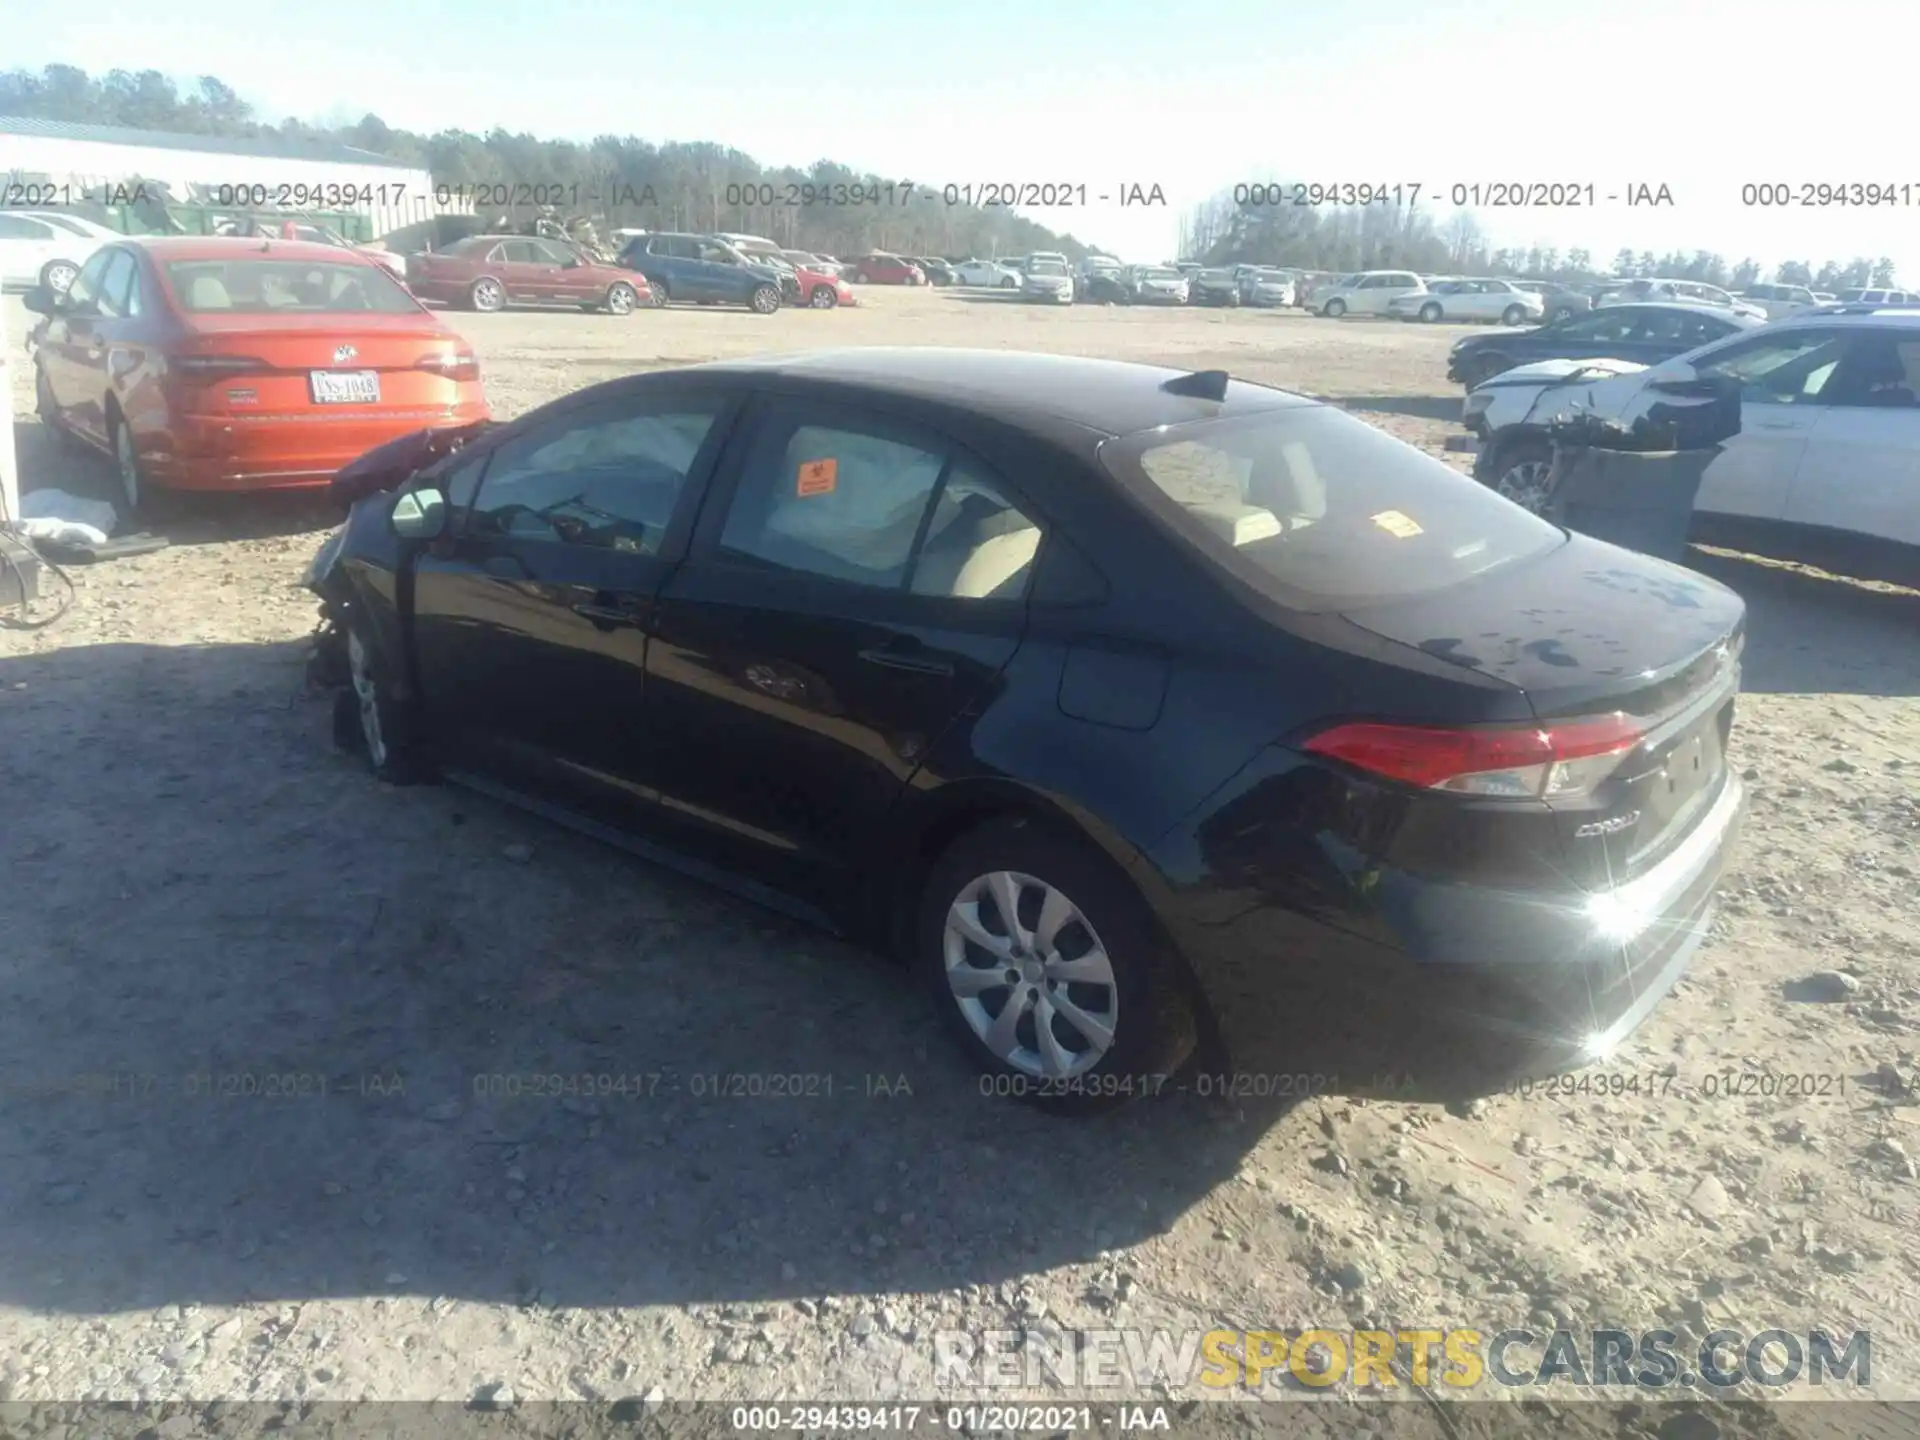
(1646, 334)
(1149, 716)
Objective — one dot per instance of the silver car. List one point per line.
(1268, 287)
(1156, 285)
(1048, 280)
(1469, 298)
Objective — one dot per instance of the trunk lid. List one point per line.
(290, 349)
(1588, 629)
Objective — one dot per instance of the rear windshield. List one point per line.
(1322, 511)
(262, 285)
(1046, 267)
(1159, 272)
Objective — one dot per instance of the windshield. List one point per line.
(1322, 511)
(1216, 275)
(1159, 272)
(1046, 267)
(1445, 287)
(266, 286)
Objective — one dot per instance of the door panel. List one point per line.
(1861, 473)
(806, 659)
(1754, 474)
(530, 622)
(525, 674)
(1862, 467)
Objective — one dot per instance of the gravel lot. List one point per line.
(200, 889)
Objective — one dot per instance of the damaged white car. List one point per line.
(1826, 465)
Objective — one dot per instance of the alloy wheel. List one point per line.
(487, 295)
(1030, 975)
(620, 300)
(823, 298)
(766, 300)
(60, 276)
(1528, 484)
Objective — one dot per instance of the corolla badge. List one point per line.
(344, 353)
(1611, 826)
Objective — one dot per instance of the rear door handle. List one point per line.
(908, 658)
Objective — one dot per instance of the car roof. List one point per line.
(1684, 307)
(1113, 397)
(233, 247)
(1902, 316)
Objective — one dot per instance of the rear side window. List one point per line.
(876, 506)
(1322, 511)
(258, 286)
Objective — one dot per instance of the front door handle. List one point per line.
(608, 612)
(910, 657)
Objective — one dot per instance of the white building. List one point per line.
(47, 164)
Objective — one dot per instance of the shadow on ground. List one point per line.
(51, 462)
(276, 1030)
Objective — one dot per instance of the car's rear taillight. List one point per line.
(462, 366)
(1564, 761)
(215, 367)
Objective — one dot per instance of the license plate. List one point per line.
(345, 387)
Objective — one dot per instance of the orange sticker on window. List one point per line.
(1398, 524)
(817, 477)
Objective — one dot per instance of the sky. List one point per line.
(1702, 97)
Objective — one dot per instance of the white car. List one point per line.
(1370, 292)
(1692, 291)
(1780, 301)
(990, 274)
(1826, 467)
(1470, 299)
(47, 248)
(1875, 297)
(1049, 280)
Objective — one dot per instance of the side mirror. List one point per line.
(40, 300)
(420, 514)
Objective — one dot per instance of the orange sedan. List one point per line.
(223, 363)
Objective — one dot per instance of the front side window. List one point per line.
(1782, 369)
(1614, 323)
(1322, 511)
(607, 477)
(873, 506)
(85, 289)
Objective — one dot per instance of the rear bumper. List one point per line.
(1435, 990)
(272, 453)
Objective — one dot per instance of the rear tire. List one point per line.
(1334, 309)
(1513, 315)
(1430, 312)
(1104, 962)
(136, 495)
(657, 294)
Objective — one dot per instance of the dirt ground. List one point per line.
(203, 897)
